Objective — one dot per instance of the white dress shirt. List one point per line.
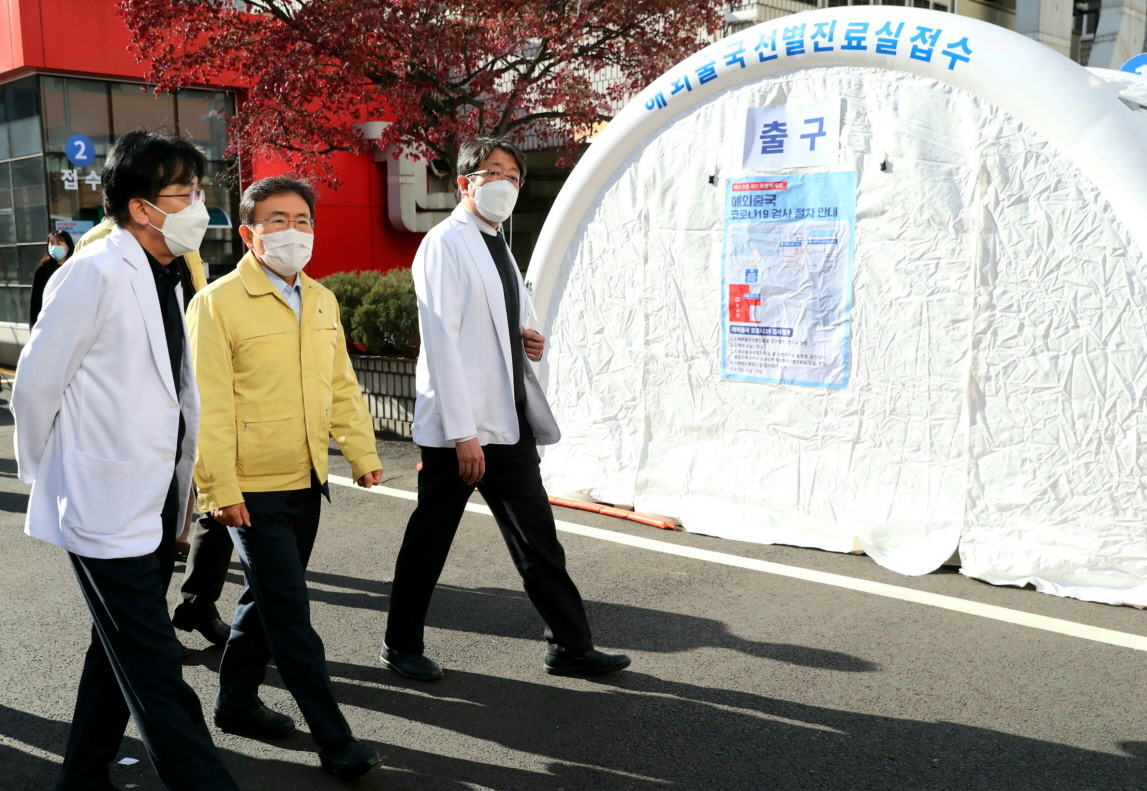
(293, 294)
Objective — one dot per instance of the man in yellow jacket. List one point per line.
(276, 383)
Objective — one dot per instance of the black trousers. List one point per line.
(273, 619)
(512, 487)
(133, 668)
(207, 565)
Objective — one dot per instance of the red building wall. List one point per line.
(352, 230)
(88, 38)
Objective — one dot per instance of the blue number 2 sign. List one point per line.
(80, 151)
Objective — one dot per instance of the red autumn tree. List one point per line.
(440, 70)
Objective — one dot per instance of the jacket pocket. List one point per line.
(271, 441)
(99, 493)
(321, 353)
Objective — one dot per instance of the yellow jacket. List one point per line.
(273, 389)
(194, 260)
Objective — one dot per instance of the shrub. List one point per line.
(349, 289)
(379, 311)
(387, 321)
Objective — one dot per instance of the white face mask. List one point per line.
(287, 252)
(495, 199)
(183, 230)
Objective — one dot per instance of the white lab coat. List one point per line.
(465, 372)
(97, 415)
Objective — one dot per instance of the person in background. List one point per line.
(60, 249)
(206, 545)
(107, 415)
(277, 383)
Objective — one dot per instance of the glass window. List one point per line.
(76, 107)
(5, 151)
(137, 107)
(29, 199)
(9, 266)
(920, 4)
(29, 257)
(23, 118)
(14, 302)
(7, 218)
(203, 117)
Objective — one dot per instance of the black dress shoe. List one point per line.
(414, 666)
(257, 722)
(592, 663)
(349, 759)
(211, 627)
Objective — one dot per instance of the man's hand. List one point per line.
(471, 460)
(370, 479)
(232, 516)
(534, 342)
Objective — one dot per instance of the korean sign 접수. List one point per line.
(787, 279)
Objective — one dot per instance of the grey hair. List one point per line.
(473, 153)
(268, 188)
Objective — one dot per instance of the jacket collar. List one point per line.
(255, 278)
(129, 247)
(463, 215)
(146, 295)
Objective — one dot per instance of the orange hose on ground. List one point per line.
(606, 510)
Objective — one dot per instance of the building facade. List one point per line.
(53, 142)
(69, 88)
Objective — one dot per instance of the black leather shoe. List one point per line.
(413, 666)
(349, 759)
(592, 663)
(257, 722)
(211, 627)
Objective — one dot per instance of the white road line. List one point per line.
(1058, 626)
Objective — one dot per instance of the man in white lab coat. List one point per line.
(107, 411)
(479, 416)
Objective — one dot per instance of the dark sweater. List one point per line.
(508, 272)
(40, 280)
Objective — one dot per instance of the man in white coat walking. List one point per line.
(107, 412)
(479, 416)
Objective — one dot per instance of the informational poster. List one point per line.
(797, 135)
(787, 268)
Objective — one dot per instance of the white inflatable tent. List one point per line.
(994, 317)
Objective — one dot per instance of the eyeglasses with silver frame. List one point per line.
(496, 175)
(276, 224)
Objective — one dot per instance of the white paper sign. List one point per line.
(793, 135)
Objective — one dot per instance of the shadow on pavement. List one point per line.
(500, 612)
(637, 731)
(13, 502)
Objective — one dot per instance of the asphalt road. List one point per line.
(740, 679)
